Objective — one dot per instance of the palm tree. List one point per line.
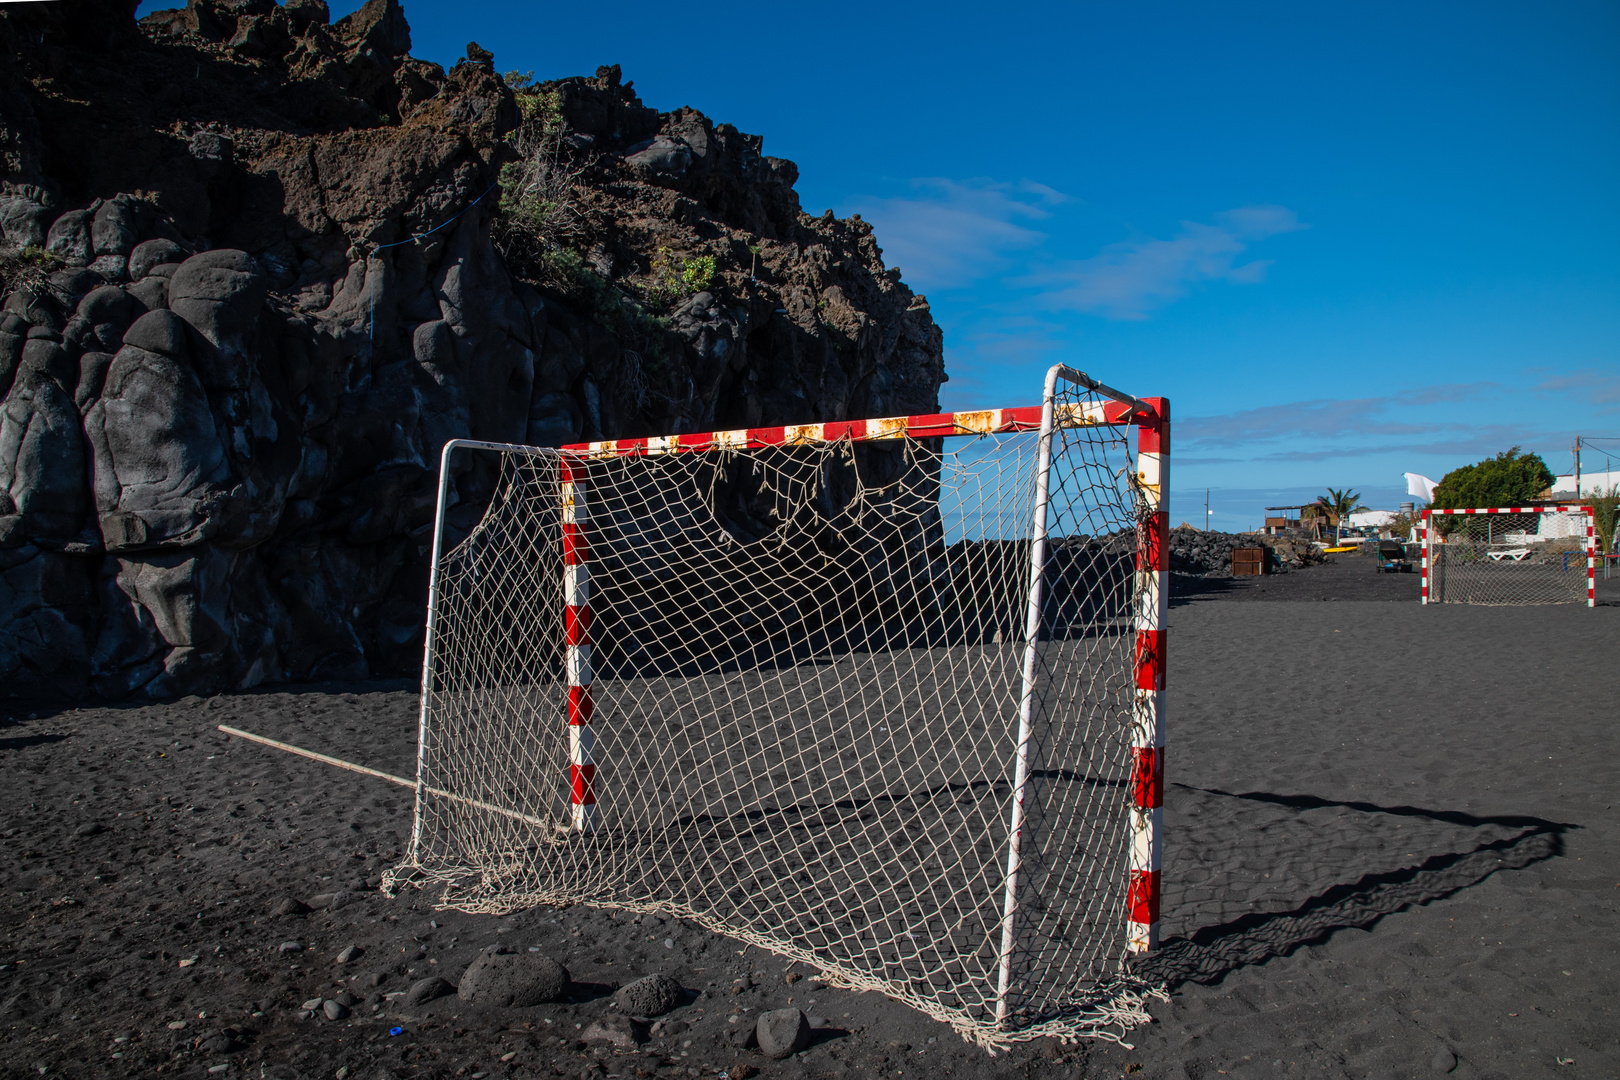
(1341, 504)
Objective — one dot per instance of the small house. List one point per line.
(1311, 520)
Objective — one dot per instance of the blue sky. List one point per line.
(1346, 240)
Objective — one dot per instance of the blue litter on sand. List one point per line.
(395, 1030)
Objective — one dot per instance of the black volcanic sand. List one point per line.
(1343, 577)
(1392, 850)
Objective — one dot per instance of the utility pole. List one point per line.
(1206, 509)
(1577, 468)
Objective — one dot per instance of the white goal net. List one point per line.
(1509, 555)
(808, 688)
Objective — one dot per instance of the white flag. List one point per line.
(1420, 486)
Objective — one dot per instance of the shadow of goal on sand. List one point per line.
(1300, 843)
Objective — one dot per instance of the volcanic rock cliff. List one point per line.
(259, 267)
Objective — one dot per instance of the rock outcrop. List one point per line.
(251, 290)
(1209, 554)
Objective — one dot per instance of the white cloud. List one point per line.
(1596, 387)
(950, 234)
(1259, 222)
(1128, 279)
(1326, 418)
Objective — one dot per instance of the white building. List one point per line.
(1592, 483)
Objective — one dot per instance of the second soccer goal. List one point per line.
(1509, 555)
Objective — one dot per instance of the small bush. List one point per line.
(27, 268)
(663, 276)
(670, 278)
(1403, 524)
(1605, 505)
(697, 273)
(538, 212)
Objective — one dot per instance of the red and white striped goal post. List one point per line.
(576, 627)
(577, 646)
(1426, 536)
(1151, 417)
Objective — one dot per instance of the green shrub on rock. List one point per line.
(26, 268)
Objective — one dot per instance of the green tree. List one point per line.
(1604, 505)
(1340, 504)
(1403, 524)
(1511, 478)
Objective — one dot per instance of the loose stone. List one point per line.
(782, 1033)
(513, 980)
(653, 995)
(428, 989)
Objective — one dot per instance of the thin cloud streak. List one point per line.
(1600, 387)
(951, 234)
(1473, 442)
(1326, 418)
(1127, 280)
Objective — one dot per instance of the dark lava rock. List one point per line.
(513, 980)
(226, 1041)
(429, 989)
(783, 1033)
(1209, 554)
(289, 906)
(221, 419)
(654, 995)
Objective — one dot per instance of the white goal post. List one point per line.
(882, 696)
(1509, 555)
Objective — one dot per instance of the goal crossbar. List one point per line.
(1037, 727)
(938, 425)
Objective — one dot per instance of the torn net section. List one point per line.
(1507, 559)
(807, 668)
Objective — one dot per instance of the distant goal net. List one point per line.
(882, 696)
(1509, 555)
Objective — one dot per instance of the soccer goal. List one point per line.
(1509, 555)
(882, 696)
